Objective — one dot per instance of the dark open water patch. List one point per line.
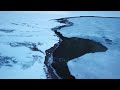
(67, 49)
(71, 48)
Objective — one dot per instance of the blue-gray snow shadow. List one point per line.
(7, 61)
(7, 30)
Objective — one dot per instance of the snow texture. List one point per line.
(24, 37)
(20, 34)
(99, 65)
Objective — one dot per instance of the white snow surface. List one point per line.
(99, 65)
(20, 29)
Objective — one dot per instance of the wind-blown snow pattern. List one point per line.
(24, 37)
(99, 65)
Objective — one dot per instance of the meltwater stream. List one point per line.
(67, 49)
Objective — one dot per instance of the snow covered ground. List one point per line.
(99, 65)
(21, 31)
